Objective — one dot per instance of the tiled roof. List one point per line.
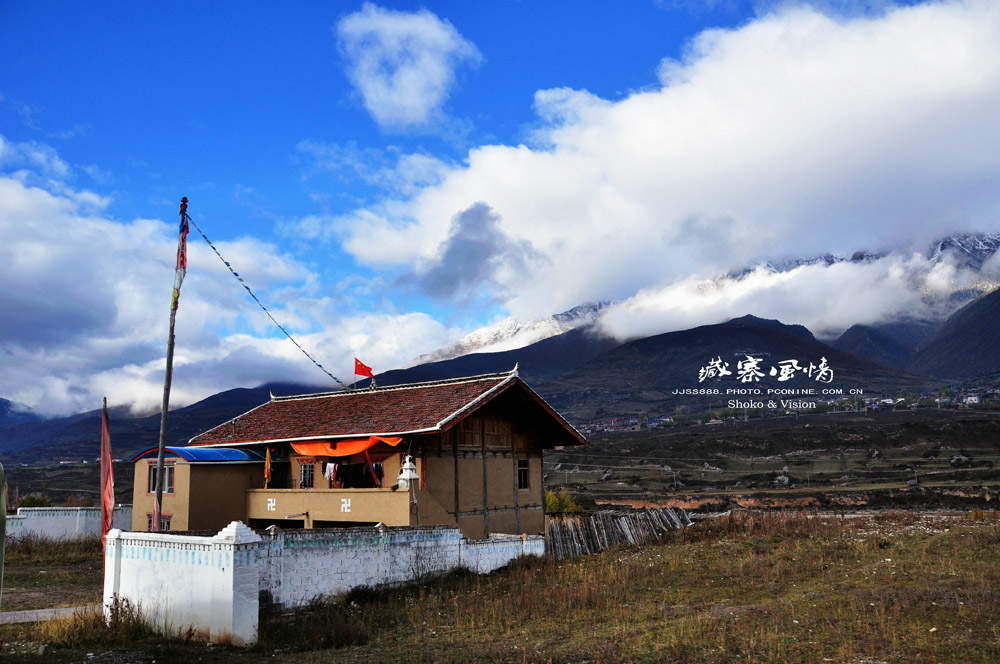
(399, 410)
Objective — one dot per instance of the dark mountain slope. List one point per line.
(891, 344)
(79, 436)
(642, 375)
(967, 345)
(800, 331)
(538, 362)
(10, 414)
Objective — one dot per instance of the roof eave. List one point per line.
(459, 415)
(572, 430)
(228, 422)
(468, 408)
(295, 439)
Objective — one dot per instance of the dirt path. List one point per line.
(51, 585)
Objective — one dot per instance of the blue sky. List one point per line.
(389, 177)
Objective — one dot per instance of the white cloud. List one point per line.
(402, 63)
(403, 173)
(35, 157)
(826, 299)
(797, 134)
(382, 341)
(85, 304)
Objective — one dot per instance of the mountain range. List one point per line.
(581, 373)
(587, 375)
(513, 333)
(972, 253)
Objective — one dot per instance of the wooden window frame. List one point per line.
(523, 474)
(311, 472)
(168, 473)
(164, 522)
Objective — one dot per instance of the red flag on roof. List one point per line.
(362, 369)
(107, 477)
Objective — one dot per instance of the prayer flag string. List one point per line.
(263, 308)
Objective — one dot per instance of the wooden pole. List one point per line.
(168, 376)
(158, 507)
(3, 525)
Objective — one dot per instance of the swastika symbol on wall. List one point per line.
(345, 504)
(272, 503)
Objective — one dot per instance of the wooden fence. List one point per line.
(569, 535)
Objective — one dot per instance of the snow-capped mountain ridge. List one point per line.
(512, 333)
(967, 253)
(972, 250)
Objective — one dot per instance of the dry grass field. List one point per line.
(41, 574)
(750, 587)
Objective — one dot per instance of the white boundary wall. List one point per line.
(212, 584)
(299, 566)
(484, 556)
(206, 584)
(64, 522)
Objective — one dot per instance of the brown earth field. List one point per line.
(921, 459)
(77, 485)
(924, 458)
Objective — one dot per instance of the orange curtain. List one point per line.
(342, 448)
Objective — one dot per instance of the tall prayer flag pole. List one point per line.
(178, 279)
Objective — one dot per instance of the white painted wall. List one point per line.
(206, 584)
(484, 556)
(296, 567)
(212, 584)
(64, 522)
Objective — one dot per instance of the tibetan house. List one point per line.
(335, 459)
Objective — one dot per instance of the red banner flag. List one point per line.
(107, 476)
(361, 369)
(267, 467)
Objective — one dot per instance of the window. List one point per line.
(168, 478)
(522, 473)
(164, 522)
(306, 475)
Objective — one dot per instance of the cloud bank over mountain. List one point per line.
(797, 134)
(827, 299)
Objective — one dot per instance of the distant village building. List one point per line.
(476, 444)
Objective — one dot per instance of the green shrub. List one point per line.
(561, 502)
(31, 500)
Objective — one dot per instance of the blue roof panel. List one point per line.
(204, 454)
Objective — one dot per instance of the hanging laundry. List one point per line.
(356, 476)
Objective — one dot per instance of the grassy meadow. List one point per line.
(750, 587)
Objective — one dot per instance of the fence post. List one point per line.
(3, 525)
(236, 591)
(112, 569)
